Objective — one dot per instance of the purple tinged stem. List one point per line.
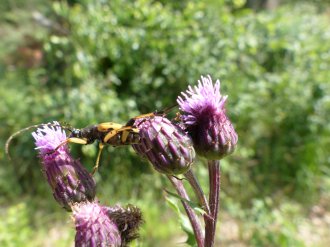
(192, 179)
(214, 179)
(196, 225)
(208, 219)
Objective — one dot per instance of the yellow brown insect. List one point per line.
(108, 133)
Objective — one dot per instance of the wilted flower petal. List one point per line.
(128, 220)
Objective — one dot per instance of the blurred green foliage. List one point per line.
(87, 62)
(16, 217)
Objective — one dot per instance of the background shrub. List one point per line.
(86, 62)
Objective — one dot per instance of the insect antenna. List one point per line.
(166, 110)
(66, 126)
(9, 140)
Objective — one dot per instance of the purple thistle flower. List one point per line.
(69, 180)
(204, 116)
(165, 145)
(94, 228)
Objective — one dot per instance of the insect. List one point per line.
(108, 133)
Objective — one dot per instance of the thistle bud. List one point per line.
(204, 115)
(70, 181)
(165, 145)
(94, 227)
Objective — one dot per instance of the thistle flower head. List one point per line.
(47, 138)
(165, 145)
(128, 220)
(69, 180)
(202, 101)
(94, 227)
(204, 116)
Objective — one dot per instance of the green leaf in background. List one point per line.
(87, 62)
(184, 221)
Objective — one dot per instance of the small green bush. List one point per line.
(111, 60)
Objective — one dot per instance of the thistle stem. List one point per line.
(214, 180)
(195, 222)
(192, 179)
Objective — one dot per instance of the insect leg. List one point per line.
(110, 135)
(71, 140)
(177, 117)
(126, 131)
(97, 164)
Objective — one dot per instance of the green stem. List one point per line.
(195, 222)
(214, 197)
(190, 176)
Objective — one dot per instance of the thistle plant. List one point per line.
(70, 182)
(94, 227)
(74, 188)
(170, 150)
(202, 125)
(128, 220)
(204, 117)
(165, 145)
